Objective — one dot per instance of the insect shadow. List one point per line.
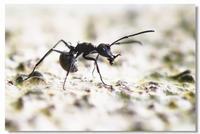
(68, 59)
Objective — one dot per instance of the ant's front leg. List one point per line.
(112, 59)
(94, 65)
(90, 58)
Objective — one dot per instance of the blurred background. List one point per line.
(153, 84)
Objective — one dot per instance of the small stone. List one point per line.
(151, 106)
(172, 104)
(184, 76)
(21, 67)
(124, 96)
(10, 82)
(48, 110)
(20, 78)
(36, 78)
(18, 104)
(10, 125)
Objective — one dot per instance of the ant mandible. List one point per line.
(67, 59)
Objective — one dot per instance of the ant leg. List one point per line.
(90, 58)
(94, 65)
(67, 74)
(39, 63)
(47, 53)
(66, 77)
(66, 44)
(77, 54)
(100, 74)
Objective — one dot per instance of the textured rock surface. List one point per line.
(150, 91)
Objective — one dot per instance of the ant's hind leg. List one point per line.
(67, 75)
(65, 80)
(47, 53)
(39, 63)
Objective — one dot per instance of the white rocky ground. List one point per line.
(147, 94)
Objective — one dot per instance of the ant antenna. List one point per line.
(115, 42)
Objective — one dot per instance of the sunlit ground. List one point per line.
(153, 84)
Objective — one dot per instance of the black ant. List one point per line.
(67, 59)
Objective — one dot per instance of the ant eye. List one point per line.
(108, 47)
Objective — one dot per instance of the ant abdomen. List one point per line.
(66, 59)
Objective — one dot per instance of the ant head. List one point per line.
(104, 50)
